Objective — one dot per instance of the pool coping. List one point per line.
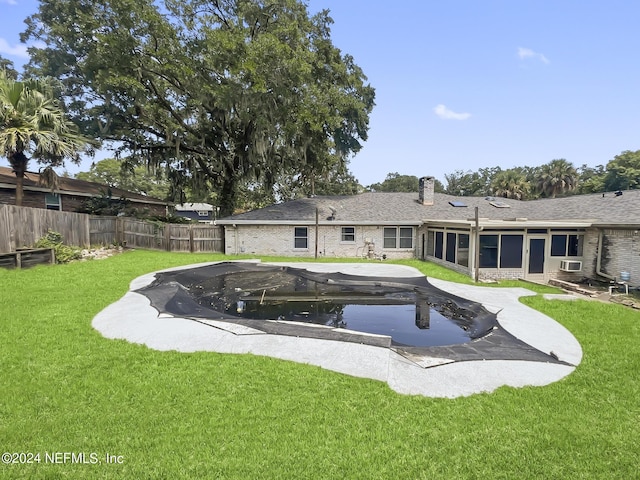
(132, 318)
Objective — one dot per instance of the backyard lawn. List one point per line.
(82, 406)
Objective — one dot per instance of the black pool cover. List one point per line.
(285, 300)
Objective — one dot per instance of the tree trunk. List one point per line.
(19, 188)
(18, 162)
(227, 199)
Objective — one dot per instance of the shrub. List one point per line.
(64, 253)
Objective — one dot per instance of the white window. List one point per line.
(300, 237)
(398, 237)
(348, 234)
(566, 245)
(406, 237)
(203, 213)
(52, 201)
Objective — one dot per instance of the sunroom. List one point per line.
(506, 249)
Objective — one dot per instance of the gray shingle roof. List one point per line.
(403, 208)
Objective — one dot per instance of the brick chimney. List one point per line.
(425, 190)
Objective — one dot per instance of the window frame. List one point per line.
(388, 241)
(489, 248)
(398, 241)
(450, 247)
(438, 251)
(403, 245)
(344, 234)
(50, 205)
(298, 236)
(572, 245)
(507, 248)
(461, 240)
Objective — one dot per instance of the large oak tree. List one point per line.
(218, 92)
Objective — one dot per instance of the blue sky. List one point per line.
(464, 84)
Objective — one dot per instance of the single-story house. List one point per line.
(569, 238)
(202, 212)
(70, 194)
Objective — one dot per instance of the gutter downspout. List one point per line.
(599, 258)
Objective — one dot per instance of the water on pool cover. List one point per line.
(408, 317)
(406, 324)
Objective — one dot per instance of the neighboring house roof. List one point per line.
(194, 207)
(378, 208)
(73, 186)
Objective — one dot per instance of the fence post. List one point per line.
(167, 236)
(191, 249)
(120, 231)
(87, 231)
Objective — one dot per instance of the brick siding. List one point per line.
(279, 240)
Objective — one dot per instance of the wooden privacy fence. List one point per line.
(171, 237)
(22, 227)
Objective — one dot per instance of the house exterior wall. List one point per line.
(590, 249)
(280, 239)
(33, 199)
(450, 266)
(193, 215)
(70, 203)
(30, 199)
(621, 249)
(620, 253)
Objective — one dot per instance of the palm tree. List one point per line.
(557, 177)
(510, 184)
(32, 124)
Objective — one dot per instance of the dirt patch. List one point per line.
(627, 301)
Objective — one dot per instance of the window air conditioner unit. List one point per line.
(570, 266)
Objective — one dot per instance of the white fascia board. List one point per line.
(512, 223)
(312, 222)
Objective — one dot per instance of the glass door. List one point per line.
(536, 255)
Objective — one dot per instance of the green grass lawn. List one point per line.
(65, 388)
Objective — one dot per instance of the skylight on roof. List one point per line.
(457, 204)
(499, 204)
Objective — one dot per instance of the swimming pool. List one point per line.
(409, 311)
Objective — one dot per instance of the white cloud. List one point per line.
(524, 53)
(17, 51)
(9, 2)
(443, 112)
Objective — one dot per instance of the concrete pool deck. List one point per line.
(133, 319)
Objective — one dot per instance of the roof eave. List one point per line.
(81, 194)
(320, 222)
(514, 223)
(625, 226)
